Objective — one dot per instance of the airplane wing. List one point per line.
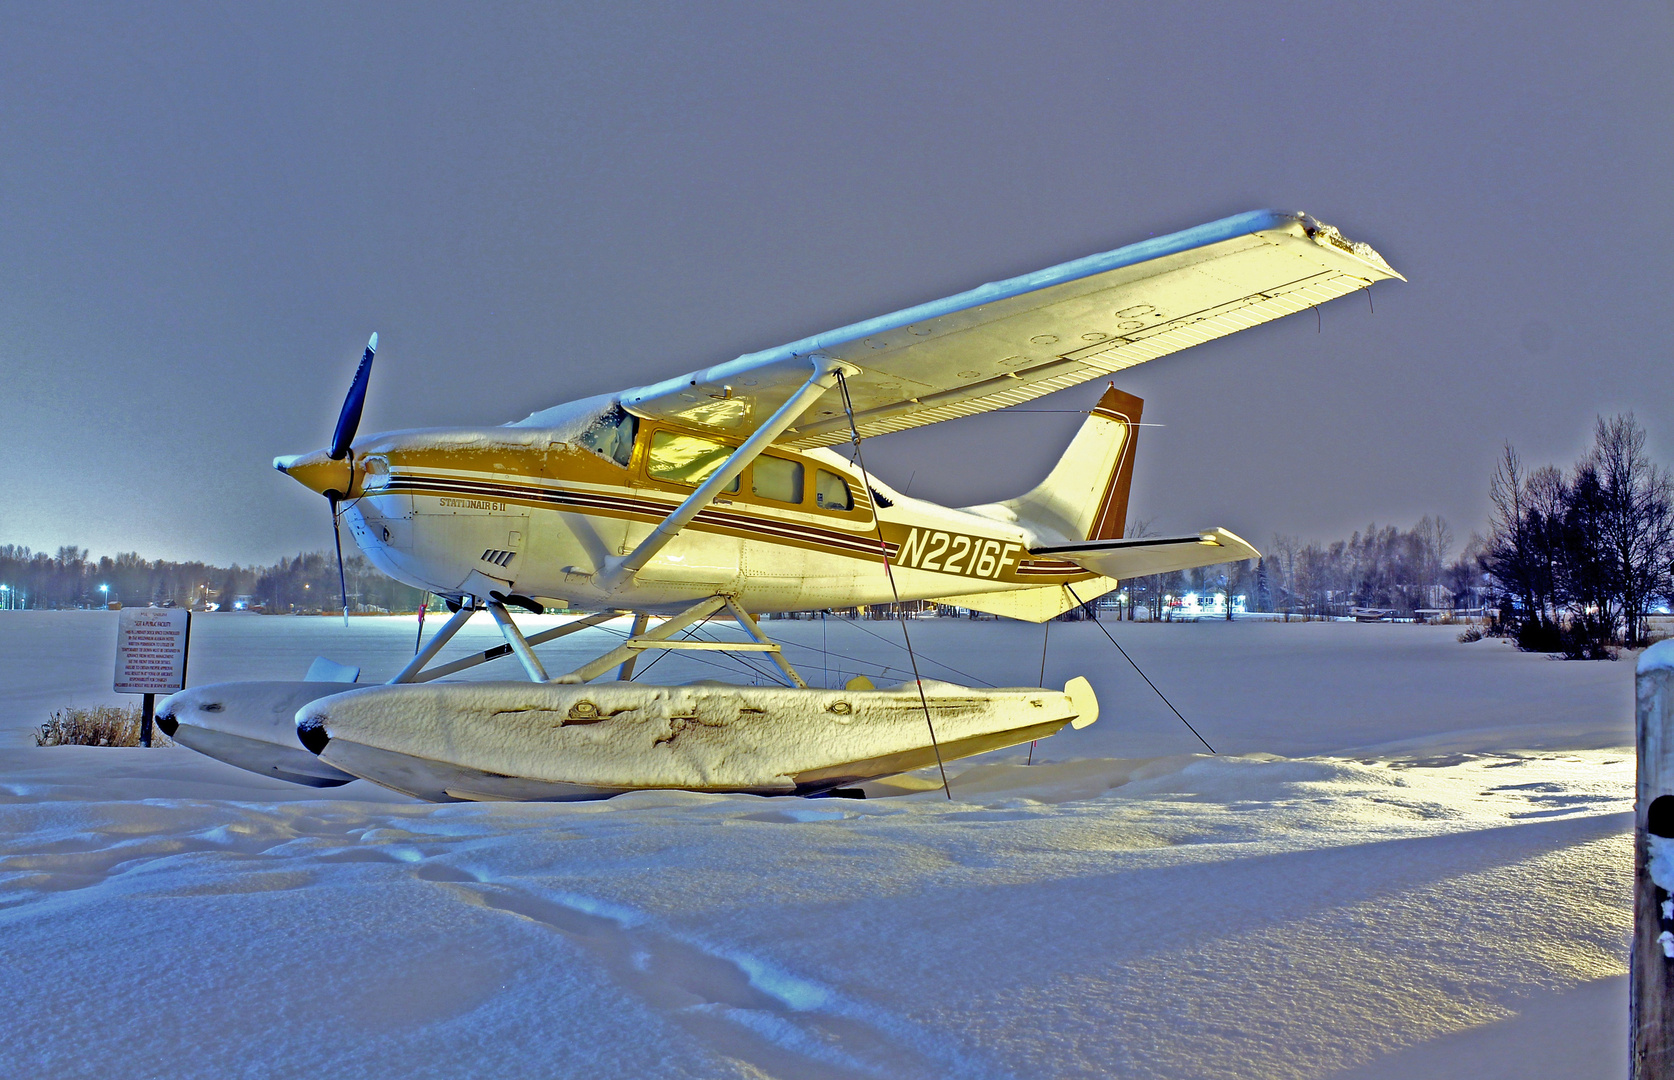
(1142, 556)
(1012, 341)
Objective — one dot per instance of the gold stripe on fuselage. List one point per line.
(569, 479)
(965, 555)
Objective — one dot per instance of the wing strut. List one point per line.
(617, 572)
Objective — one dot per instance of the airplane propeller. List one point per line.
(348, 422)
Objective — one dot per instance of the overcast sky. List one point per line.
(204, 210)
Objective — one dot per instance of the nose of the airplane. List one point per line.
(167, 722)
(317, 472)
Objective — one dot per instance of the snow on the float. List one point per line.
(706, 736)
(1410, 858)
(1659, 657)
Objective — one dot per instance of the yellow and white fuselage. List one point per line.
(537, 509)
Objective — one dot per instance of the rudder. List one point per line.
(1110, 519)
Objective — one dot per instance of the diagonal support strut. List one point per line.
(617, 656)
(777, 655)
(519, 645)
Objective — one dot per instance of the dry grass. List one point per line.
(102, 725)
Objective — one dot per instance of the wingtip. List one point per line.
(372, 343)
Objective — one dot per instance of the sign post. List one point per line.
(151, 646)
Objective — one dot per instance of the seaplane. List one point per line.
(720, 494)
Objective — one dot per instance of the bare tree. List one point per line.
(1281, 567)
(1148, 588)
(1588, 552)
(1636, 518)
(1432, 543)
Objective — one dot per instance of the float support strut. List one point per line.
(753, 628)
(626, 671)
(514, 638)
(694, 614)
(505, 650)
(437, 640)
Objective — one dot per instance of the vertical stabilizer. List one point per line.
(1085, 497)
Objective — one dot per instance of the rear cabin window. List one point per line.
(777, 479)
(612, 436)
(831, 492)
(686, 459)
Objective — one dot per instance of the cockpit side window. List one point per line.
(679, 458)
(611, 436)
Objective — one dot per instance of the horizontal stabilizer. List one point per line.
(1146, 555)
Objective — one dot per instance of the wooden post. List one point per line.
(1651, 978)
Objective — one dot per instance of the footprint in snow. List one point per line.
(744, 1008)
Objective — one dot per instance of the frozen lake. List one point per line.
(1285, 688)
(1409, 859)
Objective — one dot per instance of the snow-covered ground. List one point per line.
(1409, 859)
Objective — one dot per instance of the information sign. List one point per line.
(151, 650)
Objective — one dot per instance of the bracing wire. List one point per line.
(883, 550)
(686, 634)
(897, 645)
(771, 674)
(1095, 617)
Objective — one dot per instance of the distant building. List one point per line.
(1204, 605)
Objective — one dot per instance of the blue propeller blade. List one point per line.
(348, 421)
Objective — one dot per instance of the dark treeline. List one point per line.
(69, 578)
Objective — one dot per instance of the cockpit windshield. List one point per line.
(611, 436)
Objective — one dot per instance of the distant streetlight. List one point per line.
(5, 597)
(105, 589)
